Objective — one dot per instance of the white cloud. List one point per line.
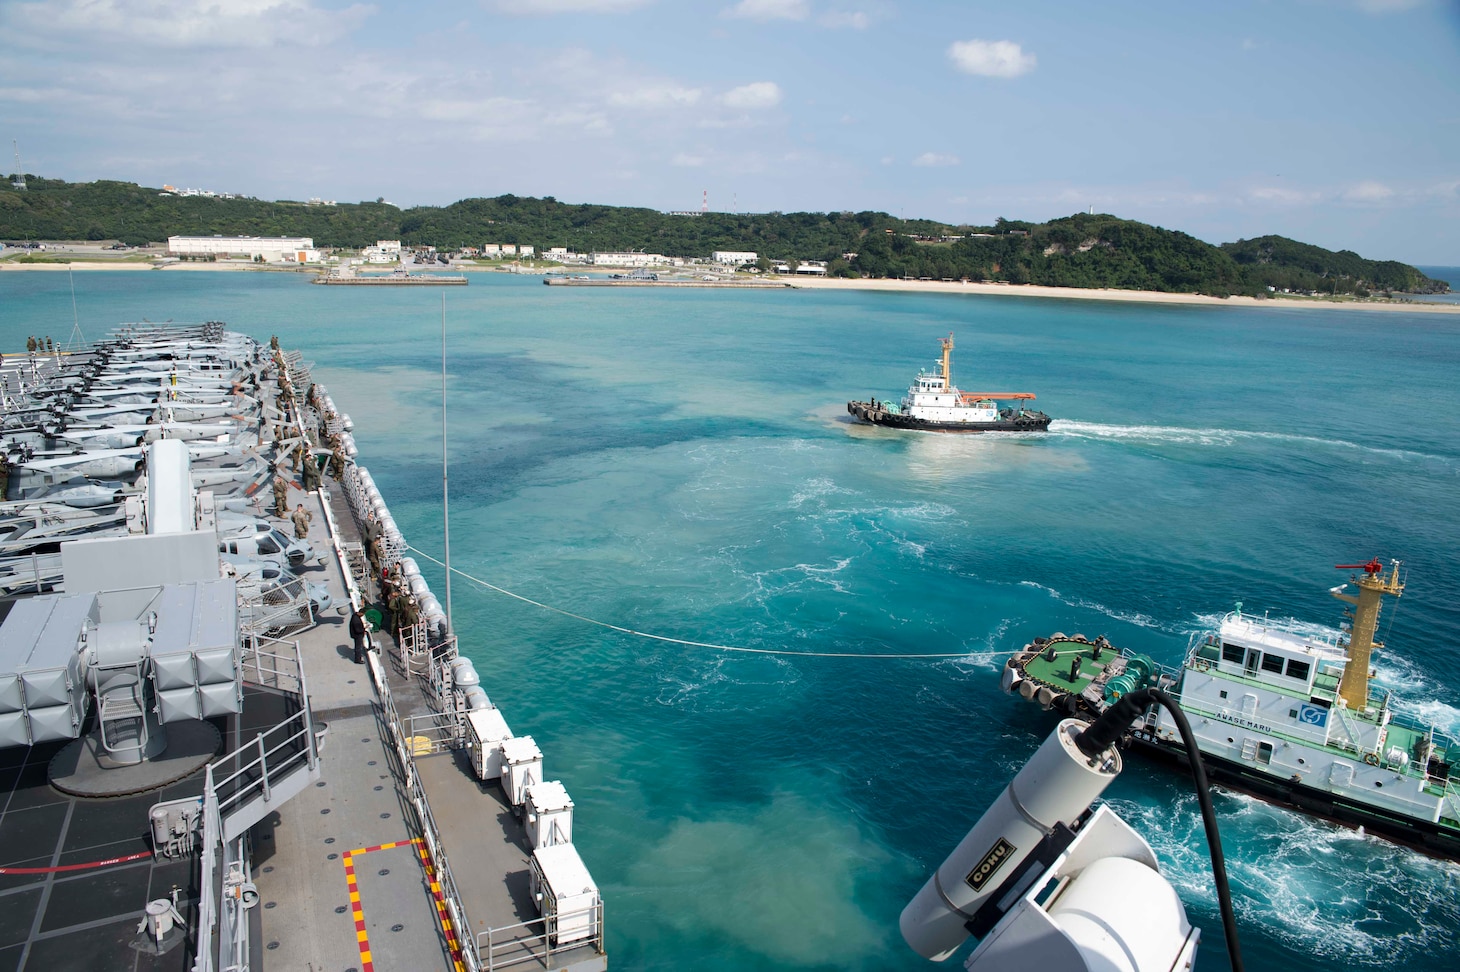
(194, 23)
(685, 160)
(1284, 196)
(764, 10)
(929, 160)
(1445, 190)
(991, 59)
(854, 19)
(1368, 192)
(757, 94)
(655, 94)
(532, 8)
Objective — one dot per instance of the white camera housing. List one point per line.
(1056, 786)
(1105, 908)
(1049, 885)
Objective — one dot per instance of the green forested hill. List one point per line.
(1287, 264)
(54, 210)
(1076, 251)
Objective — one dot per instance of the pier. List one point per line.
(399, 278)
(552, 281)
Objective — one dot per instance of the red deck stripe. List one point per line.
(76, 867)
(451, 941)
(367, 963)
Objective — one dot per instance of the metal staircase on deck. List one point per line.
(280, 760)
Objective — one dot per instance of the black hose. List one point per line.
(1112, 723)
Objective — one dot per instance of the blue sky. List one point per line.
(1333, 121)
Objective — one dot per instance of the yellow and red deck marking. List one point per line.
(451, 943)
(367, 963)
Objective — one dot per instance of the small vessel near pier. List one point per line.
(934, 404)
(396, 278)
(1277, 713)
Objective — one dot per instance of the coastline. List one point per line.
(842, 283)
(1135, 296)
(10, 265)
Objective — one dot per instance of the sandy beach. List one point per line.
(9, 265)
(12, 265)
(1139, 296)
(840, 283)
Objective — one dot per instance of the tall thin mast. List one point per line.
(445, 496)
(77, 338)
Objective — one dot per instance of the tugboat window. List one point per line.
(1272, 663)
(1298, 669)
(1264, 753)
(1231, 652)
(1222, 693)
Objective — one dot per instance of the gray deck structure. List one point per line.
(385, 852)
(363, 801)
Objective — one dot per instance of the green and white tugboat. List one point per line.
(1278, 714)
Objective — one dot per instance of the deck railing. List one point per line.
(271, 668)
(402, 737)
(535, 940)
(230, 782)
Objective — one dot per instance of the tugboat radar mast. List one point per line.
(1372, 585)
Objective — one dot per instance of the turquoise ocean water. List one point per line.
(681, 463)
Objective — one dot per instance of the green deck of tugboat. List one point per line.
(1056, 674)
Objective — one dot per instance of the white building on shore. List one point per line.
(734, 257)
(384, 251)
(273, 249)
(627, 259)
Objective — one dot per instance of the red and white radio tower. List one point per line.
(705, 206)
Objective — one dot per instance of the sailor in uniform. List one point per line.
(301, 518)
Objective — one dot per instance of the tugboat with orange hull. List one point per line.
(934, 404)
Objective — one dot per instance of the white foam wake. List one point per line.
(1126, 617)
(1177, 435)
(1325, 890)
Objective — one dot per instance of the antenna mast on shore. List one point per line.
(18, 181)
(705, 205)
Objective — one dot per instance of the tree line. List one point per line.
(1084, 250)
